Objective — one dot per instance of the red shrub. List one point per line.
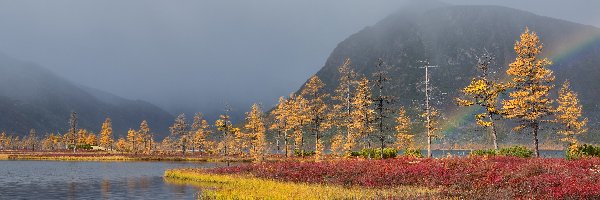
(473, 177)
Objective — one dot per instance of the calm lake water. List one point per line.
(92, 180)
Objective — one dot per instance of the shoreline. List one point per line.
(217, 186)
(95, 156)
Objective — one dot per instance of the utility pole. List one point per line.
(428, 107)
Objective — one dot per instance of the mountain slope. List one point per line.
(34, 97)
(450, 37)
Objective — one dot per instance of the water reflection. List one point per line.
(92, 180)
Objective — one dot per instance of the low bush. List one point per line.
(582, 151)
(376, 153)
(516, 151)
(483, 152)
(306, 153)
(82, 146)
(413, 153)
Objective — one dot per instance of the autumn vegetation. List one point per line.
(364, 128)
(359, 119)
(358, 115)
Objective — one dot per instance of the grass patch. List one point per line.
(246, 187)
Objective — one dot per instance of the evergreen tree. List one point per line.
(531, 82)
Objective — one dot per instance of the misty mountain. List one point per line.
(34, 97)
(450, 37)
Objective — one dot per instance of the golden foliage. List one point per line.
(281, 124)
(337, 144)
(106, 134)
(131, 140)
(200, 131)
(255, 126)
(362, 115)
(404, 137)
(568, 114)
(531, 81)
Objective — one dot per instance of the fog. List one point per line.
(188, 56)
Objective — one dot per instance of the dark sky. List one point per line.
(198, 55)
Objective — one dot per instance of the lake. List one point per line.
(92, 180)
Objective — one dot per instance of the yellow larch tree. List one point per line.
(484, 91)
(132, 140)
(362, 116)
(3, 141)
(431, 118)
(145, 136)
(404, 137)
(228, 134)
(568, 115)
(106, 134)
(47, 143)
(316, 111)
(281, 125)
(343, 97)
(531, 82)
(201, 132)
(256, 130)
(337, 144)
(91, 139)
(82, 135)
(298, 120)
(179, 130)
(121, 145)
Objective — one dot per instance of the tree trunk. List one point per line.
(302, 145)
(536, 129)
(285, 143)
(494, 133)
(382, 144)
(429, 146)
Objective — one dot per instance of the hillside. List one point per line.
(34, 97)
(450, 37)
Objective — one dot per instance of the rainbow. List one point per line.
(565, 51)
